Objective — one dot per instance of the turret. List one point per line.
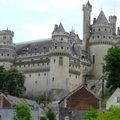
(112, 20)
(7, 48)
(86, 22)
(100, 41)
(59, 58)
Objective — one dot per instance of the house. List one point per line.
(77, 102)
(114, 100)
(8, 101)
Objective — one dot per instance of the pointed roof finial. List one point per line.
(7, 29)
(88, 3)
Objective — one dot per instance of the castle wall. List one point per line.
(59, 72)
(36, 83)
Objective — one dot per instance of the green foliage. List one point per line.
(91, 114)
(22, 112)
(112, 67)
(112, 114)
(51, 115)
(43, 118)
(12, 80)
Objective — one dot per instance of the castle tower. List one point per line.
(112, 20)
(59, 58)
(101, 39)
(7, 48)
(86, 22)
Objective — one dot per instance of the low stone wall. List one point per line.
(72, 114)
(8, 114)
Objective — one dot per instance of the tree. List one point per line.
(111, 67)
(22, 112)
(12, 80)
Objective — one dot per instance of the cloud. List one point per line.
(40, 31)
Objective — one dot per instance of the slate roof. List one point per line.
(33, 47)
(101, 19)
(78, 88)
(13, 100)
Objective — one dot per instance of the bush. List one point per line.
(51, 115)
(91, 114)
(22, 112)
(43, 118)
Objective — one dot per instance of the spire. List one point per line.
(101, 18)
(61, 28)
(88, 3)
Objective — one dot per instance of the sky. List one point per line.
(35, 19)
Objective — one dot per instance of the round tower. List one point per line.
(101, 39)
(59, 58)
(7, 48)
(87, 8)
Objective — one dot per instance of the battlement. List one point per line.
(7, 32)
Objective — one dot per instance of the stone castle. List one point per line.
(64, 61)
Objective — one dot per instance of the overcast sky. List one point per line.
(35, 19)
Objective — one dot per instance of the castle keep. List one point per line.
(63, 61)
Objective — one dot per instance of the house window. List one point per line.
(118, 99)
(60, 60)
(54, 60)
(99, 29)
(61, 39)
(4, 37)
(53, 79)
(29, 75)
(93, 59)
(44, 74)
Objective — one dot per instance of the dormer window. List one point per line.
(4, 37)
(61, 39)
(118, 99)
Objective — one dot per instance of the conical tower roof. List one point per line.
(61, 28)
(101, 18)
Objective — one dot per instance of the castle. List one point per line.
(63, 61)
